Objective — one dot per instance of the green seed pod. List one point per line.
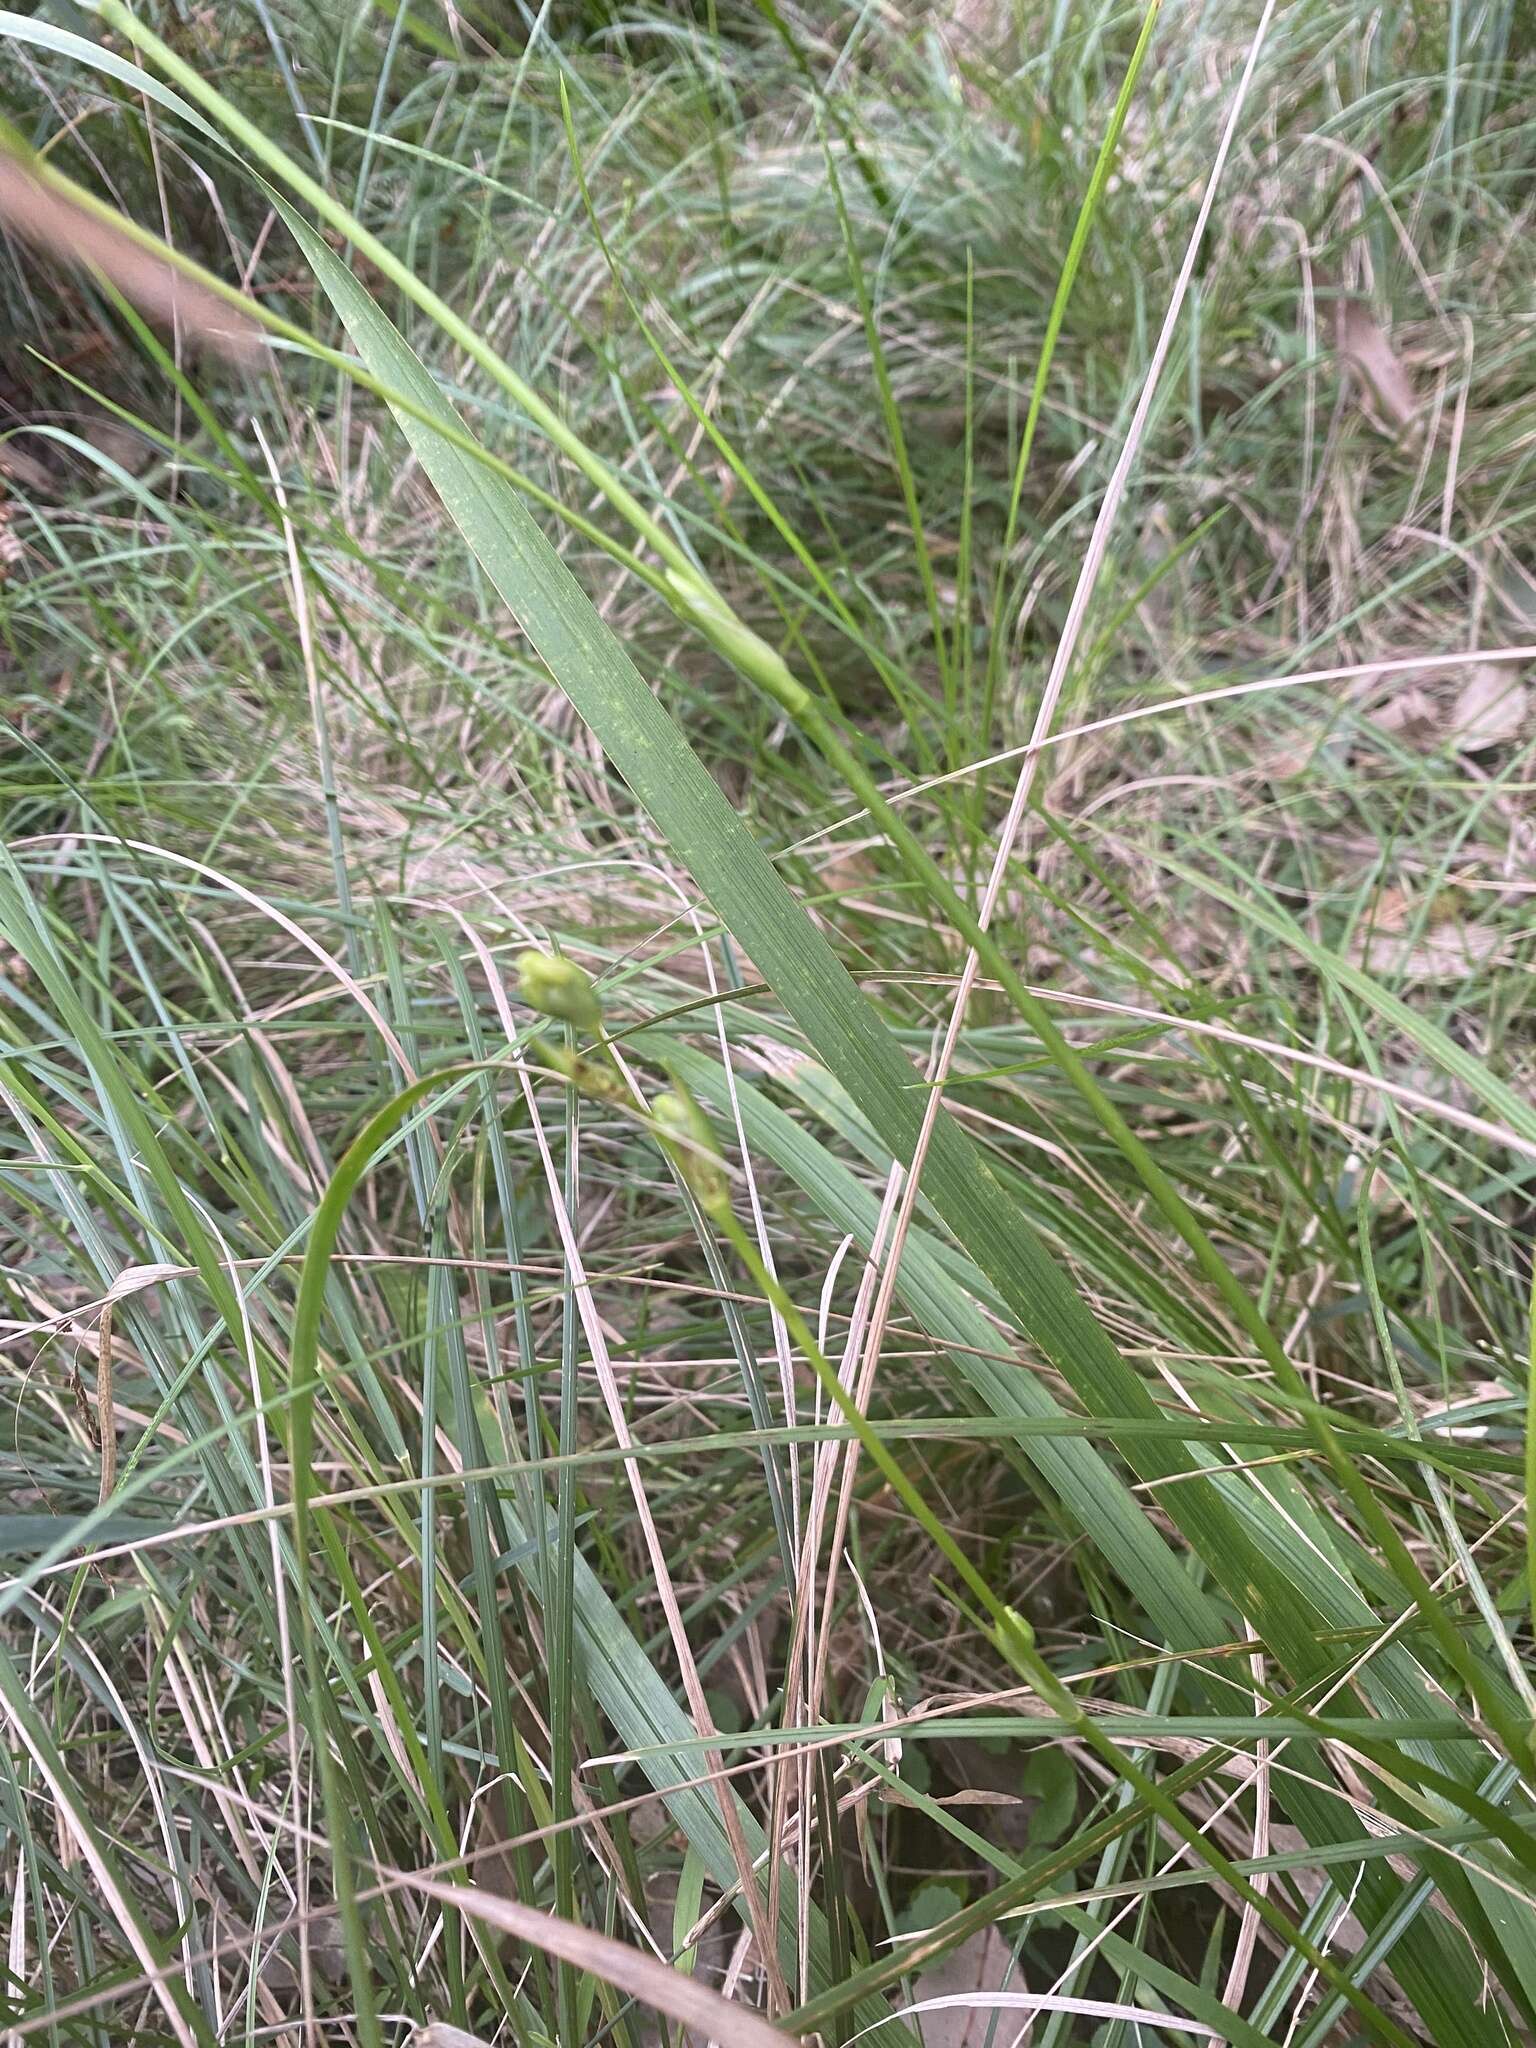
(689, 1140)
(590, 1076)
(559, 988)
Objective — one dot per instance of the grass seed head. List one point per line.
(689, 1139)
(558, 988)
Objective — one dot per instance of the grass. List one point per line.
(955, 1429)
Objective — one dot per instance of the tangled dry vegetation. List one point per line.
(429, 1505)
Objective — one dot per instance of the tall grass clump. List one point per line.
(767, 1179)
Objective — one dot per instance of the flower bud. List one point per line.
(690, 1144)
(1014, 1638)
(559, 988)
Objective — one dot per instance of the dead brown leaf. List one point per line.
(1412, 714)
(1290, 755)
(1363, 345)
(1491, 709)
(1445, 952)
(980, 1964)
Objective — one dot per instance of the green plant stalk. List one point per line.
(562, 1621)
(962, 648)
(896, 436)
(1081, 229)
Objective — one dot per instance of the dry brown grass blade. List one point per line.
(106, 1406)
(657, 1984)
(32, 207)
(1364, 346)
